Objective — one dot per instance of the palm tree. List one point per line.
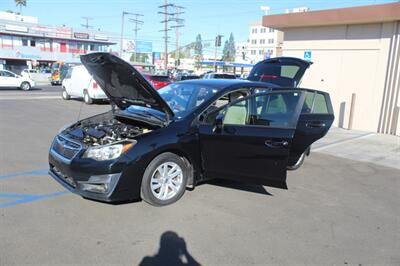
(20, 3)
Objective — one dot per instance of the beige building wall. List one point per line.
(351, 59)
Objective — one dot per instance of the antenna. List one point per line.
(86, 25)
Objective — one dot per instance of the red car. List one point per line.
(158, 81)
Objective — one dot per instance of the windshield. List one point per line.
(182, 98)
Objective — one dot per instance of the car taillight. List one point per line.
(94, 85)
(268, 77)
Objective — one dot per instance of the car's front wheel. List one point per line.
(25, 86)
(164, 180)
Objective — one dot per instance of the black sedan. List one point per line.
(152, 145)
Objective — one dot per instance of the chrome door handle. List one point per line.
(276, 144)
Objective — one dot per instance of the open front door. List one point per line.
(250, 139)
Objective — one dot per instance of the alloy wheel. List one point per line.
(166, 181)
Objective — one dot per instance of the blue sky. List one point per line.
(207, 17)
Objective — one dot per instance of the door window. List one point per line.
(277, 110)
(7, 74)
(215, 108)
(314, 103)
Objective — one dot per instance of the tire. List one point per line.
(65, 95)
(159, 191)
(299, 162)
(86, 98)
(25, 86)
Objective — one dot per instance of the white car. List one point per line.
(79, 83)
(10, 79)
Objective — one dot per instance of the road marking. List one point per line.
(25, 198)
(29, 97)
(27, 173)
(336, 143)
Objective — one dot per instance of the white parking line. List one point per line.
(30, 97)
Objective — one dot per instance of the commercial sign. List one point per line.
(144, 47)
(81, 35)
(101, 37)
(16, 28)
(63, 32)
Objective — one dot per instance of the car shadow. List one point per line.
(238, 185)
(172, 251)
(17, 89)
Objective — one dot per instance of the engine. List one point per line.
(105, 132)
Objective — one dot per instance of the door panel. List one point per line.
(254, 143)
(314, 122)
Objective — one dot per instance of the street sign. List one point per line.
(307, 55)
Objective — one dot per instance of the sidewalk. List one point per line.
(361, 146)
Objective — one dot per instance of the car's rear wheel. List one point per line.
(65, 94)
(25, 86)
(164, 181)
(87, 98)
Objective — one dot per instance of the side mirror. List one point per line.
(219, 123)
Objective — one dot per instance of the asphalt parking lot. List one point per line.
(341, 208)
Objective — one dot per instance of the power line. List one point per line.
(179, 24)
(137, 23)
(86, 25)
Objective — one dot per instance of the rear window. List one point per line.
(224, 76)
(159, 78)
(282, 75)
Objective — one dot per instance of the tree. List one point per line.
(198, 50)
(229, 52)
(20, 3)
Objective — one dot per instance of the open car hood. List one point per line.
(122, 83)
(282, 71)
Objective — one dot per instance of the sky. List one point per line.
(207, 17)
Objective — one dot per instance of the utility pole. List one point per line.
(135, 30)
(86, 25)
(167, 15)
(122, 29)
(179, 24)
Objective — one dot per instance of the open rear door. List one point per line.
(315, 119)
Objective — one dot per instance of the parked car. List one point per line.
(189, 76)
(28, 72)
(10, 79)
(157, 143)
(158, 81)
(219, 76)
(79, 83)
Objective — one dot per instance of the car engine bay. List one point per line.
(104, 132)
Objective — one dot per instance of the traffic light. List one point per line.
(218, 40)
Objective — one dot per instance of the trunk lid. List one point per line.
(282, 71)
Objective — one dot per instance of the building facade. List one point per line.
(356, 54)
(263, 42)
(24, 43)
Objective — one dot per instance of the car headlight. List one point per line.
(108, 152)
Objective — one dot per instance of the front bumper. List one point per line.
(108, 181)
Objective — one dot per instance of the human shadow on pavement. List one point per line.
(239, 186)
(172, 252)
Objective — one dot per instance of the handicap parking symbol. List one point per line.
(307, 55)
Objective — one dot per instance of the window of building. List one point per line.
(263, 30)
(33, 43)
(271, 30)
(262, 41)
(253, 52)
(260, 52)
(24, 42)
(254, 41)
(254, 30)
(270, 41)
